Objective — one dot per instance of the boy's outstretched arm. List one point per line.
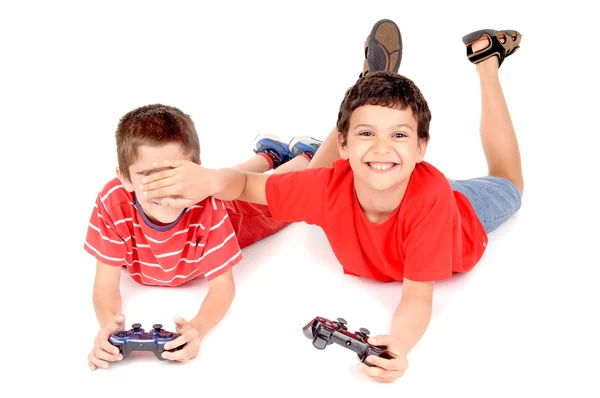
(106, 295)
(409, 324)
(185, 183)
(221, 293)
(106, 298)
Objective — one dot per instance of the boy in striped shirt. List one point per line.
(164, 246)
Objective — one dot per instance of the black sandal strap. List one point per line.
(494, 49)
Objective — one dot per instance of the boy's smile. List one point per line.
(383, 148)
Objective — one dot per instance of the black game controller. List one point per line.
(137, 339)
(324, 332)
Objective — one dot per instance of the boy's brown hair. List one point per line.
(154, 125)
(388, 89)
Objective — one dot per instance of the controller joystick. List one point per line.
(363, 333)
(137, 339)
(324, 332)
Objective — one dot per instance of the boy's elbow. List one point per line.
(255, 188)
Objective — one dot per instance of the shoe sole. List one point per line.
(268, 137)
(384, 45)
(295, 140)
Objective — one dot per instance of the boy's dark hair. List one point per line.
(388, 89)
(154, 125)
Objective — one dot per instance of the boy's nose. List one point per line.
(382, 145)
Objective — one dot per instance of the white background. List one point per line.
(523, 322)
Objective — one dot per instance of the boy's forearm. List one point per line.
(410, 321)
(213, 309)
(107, 304)
(228, 184)
(232, 184)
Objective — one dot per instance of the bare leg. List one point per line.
(327, 153)
(498, 136)
(297, 163)
(256, 164)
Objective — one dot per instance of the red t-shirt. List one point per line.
(200, 242)
(433, 233)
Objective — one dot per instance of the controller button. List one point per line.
(364, 331)
(157, 327)
(136, 327)
(341, 323)
(165, 335)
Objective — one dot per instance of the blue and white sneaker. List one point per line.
(304, 145)
(273, 147)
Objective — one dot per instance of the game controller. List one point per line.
(137, 339)
(324, 332)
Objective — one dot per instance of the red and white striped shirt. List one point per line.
(201, 241)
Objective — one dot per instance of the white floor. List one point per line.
(523, 322)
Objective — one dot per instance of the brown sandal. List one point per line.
(383, 48)
(502, 44)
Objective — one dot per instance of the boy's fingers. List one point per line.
(159, 179)
(106, 346)
(179, 321)
(382, 375)
(177, 203)
(181, 340)
(179, 355)
(165, 192)
(119, 322)
(382, 362)
(97, 362)
(106, 356)
(372, 371)
(390, 342)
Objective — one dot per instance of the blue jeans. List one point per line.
(494, 199)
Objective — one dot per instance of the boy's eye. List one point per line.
(366, 133)
(399, 135)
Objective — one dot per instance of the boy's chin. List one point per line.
(164, 217)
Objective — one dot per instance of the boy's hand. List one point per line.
(182, 184)
(187, 334)
(104, 352)
(386, 370)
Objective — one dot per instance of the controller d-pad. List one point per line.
(122, 333)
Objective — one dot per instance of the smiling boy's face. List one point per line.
(142, 167)
(382, 147)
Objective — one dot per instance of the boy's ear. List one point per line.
(421, 149)
(126, 184)
(343, 150)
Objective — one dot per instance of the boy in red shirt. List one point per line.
(161, 246)
(388, 215)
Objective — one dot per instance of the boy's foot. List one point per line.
(304, 146)
(273, 149)
(383, 48)
(486, 43)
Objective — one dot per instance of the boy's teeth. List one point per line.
(381, 166)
